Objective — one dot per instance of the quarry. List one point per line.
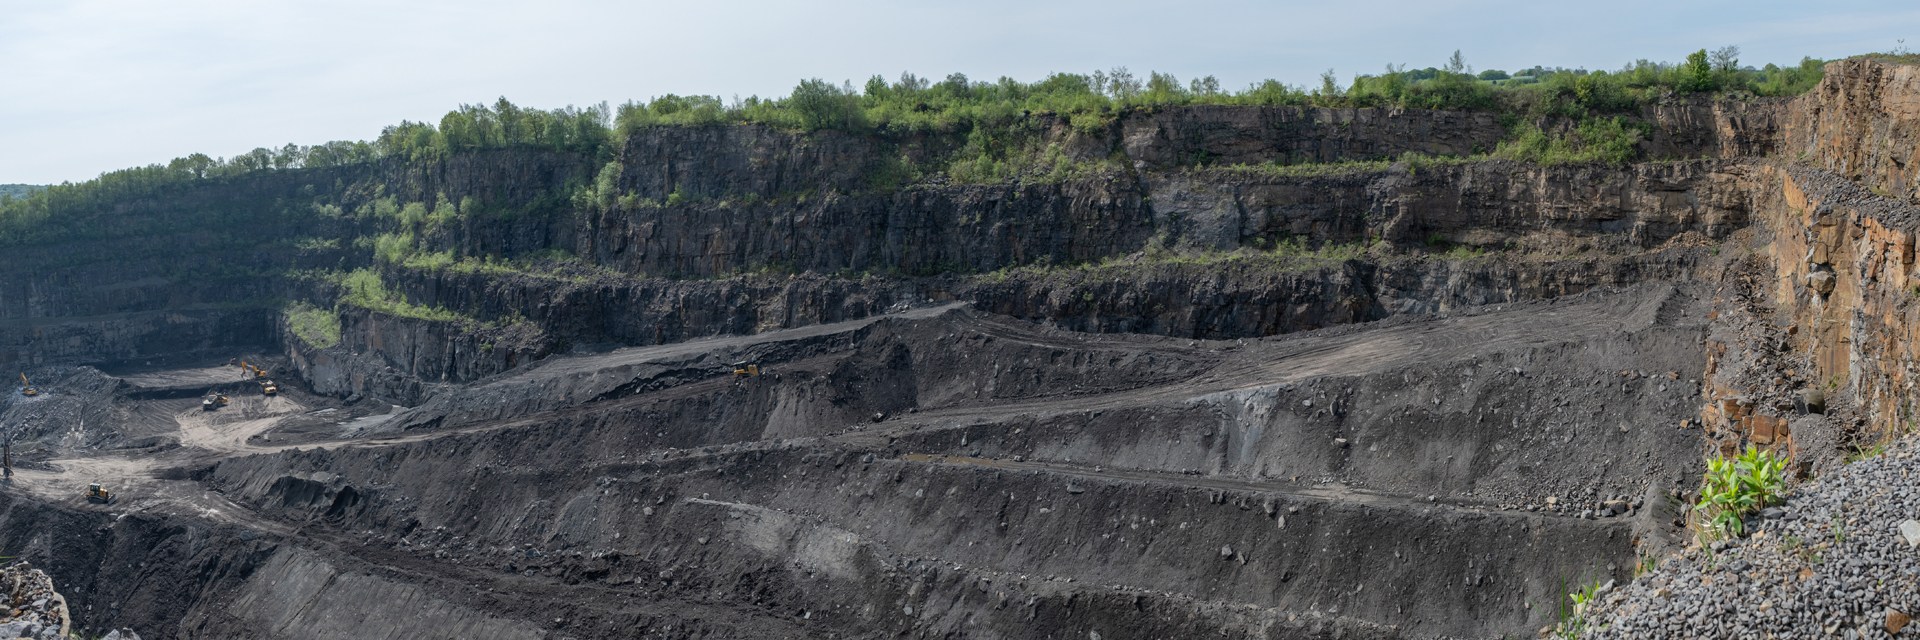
(761, 393)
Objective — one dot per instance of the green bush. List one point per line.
(363, 288)
(502, 125)
(1733, 488)
(1696, 75)
(821, 105)
(319, 328)
(1612, 140)
(393, 248)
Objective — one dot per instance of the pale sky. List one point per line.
(92, 85)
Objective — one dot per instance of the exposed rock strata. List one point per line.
(1474, 384)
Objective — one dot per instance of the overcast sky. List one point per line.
(90, 86)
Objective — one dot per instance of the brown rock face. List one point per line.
(1845, 280)
(1765, 430)
(1862, 123)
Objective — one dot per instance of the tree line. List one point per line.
(916, 105)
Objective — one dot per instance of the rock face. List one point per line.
(1839, 236)
(1609, 217)
(1170, 139)
(700, 204)
(1862, 124)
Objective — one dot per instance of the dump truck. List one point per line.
(267, 387)
(29, 391)
(212, 402)
(97, 494)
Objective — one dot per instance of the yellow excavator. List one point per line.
(95, 493)
(29, 391)
(257, 373)
(212, 402)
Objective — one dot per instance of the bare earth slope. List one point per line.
(1315, 483)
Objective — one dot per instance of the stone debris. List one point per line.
(1838, 562)
(29, 607)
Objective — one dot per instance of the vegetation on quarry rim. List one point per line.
(987, 123)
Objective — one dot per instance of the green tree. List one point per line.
(1207, 86)
(1726, 59)
(1697, 74)
(1164, 88)
(1119, 83)
(821, 105)
(1329, 85)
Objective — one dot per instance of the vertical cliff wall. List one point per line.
(1862, 124)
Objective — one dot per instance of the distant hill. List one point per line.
(20, 190)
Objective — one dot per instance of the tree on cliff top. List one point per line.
(821, 105)
(1697, 74)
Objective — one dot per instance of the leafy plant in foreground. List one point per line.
(1735, 487)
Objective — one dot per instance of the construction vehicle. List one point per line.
(257, 373)
(29, 391)
(100, 495)
(269, 388)
(212, 402)
(742, 369)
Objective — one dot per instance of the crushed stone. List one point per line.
(1834, 563)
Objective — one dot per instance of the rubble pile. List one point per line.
(29, 607)
(1840, 559)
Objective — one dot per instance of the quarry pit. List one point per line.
(1489, 381)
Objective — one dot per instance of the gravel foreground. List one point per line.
(1833, 562)
(30, 608)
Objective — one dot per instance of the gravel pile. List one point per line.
(29, 607)
(1832, 562)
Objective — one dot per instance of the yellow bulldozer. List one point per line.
(97, 494)
(29, 391)
(212, 402)
(744, 369)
